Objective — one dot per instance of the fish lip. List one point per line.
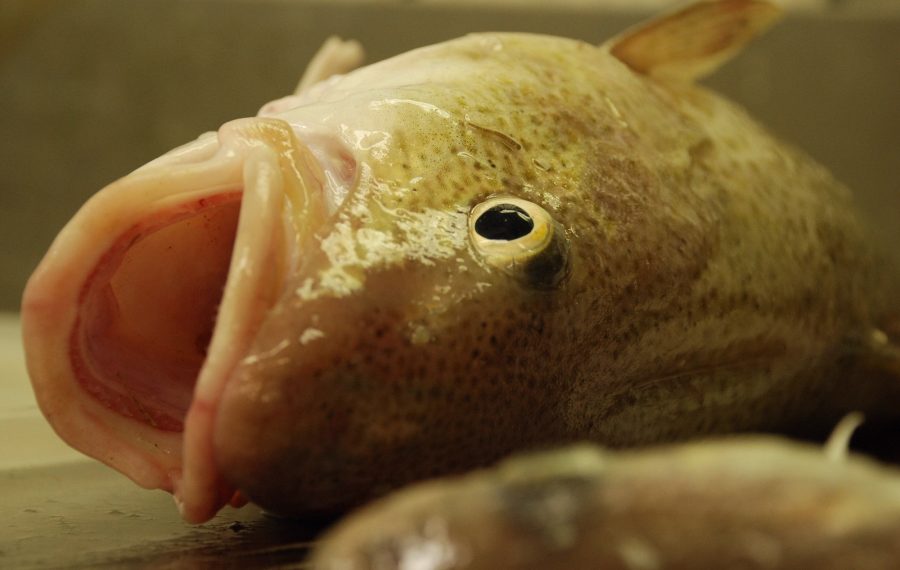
(294, 194)
(177, 462)
(50, 312)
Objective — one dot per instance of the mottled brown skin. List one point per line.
(716, 279)
(736, 503)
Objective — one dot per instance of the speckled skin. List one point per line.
(715, 279)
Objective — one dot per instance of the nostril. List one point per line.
(338, 164)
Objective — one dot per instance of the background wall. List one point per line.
(91, 89)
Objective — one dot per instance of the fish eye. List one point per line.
(504, 222)
(520, 238)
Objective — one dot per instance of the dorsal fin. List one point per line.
(693, 41)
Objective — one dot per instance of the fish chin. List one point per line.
(151, 295)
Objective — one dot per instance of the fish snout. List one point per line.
(150, 295)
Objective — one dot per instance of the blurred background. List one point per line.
(91, 89)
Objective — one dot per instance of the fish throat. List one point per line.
(149, 308)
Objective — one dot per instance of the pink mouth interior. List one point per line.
(149, 308)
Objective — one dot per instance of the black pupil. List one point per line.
(504, 222)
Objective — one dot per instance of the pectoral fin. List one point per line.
(694, 41)
(335, 57)
(838, 445)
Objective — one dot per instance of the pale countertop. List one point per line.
(27, 439)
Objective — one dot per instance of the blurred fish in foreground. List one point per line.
(741, 502)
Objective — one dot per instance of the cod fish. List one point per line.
(498, 243)
(738, 502)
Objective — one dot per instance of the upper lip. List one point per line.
(284, 203)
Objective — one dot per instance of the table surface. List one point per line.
(62, 510)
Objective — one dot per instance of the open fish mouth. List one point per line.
(150, 297)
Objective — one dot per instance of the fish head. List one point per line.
(409, 270)
(455, 298)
